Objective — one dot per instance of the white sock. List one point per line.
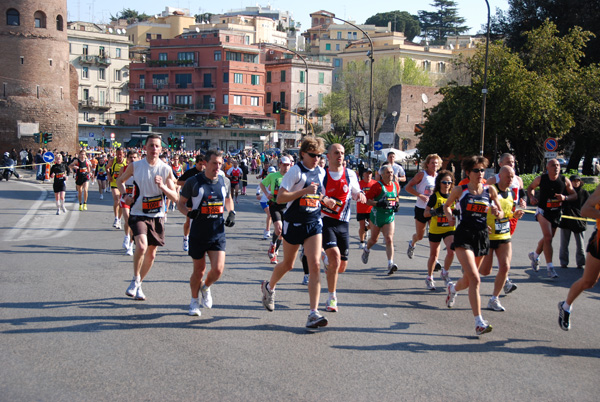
(566, 307)
(430, 277)
(452, 288)
(138, 279)
(444, 271)
(332, 295)
(186, 237)
(195, 299)
(479, 320)
(536, 255)
(494, 298)
(550, 265)
(390, 262)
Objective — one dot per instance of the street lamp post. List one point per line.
(484, 89)
(370, 54)
(305, 78)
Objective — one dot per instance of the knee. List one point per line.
(588, 284)
(548, 238)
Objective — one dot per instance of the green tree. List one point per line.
(437, 25)
(130, 15)
(346, 141)
(402, 21)
(204, 17)
(354, 90)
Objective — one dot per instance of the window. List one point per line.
(160, 100)
(85, 73)
(255, 79)
(183, 80)
(148, 37)
(142, 99)
(117, 75)
(268, 77)
(282, 98)
(301, 100)
(101, 98)
(337, 47)
(225, 78)
(328, 46)
(282, 118)
(118, 53)
(237, 99)
(162, 56)
(247, 40)
(217, 55)
(185, 56)
(158, 36)
(101, 51)
(321, 78)
(250, 58)
(118, 96)
(86, 94)
(226, 99)
(302, 76)
(84, 51)
(183, 99)
(426, 65)
(337, 62)
(282, 75)
(320, 100)
(339, 35)
(12, 17)
(101, 74)
(208, 80)
(268, 97)
(160, 79)
(86, 116)
(442, 67)
(39, 19)
(233, 56)
(254, 101)
(238, 78)
(349, 35)
(142, 81)
(227, 39)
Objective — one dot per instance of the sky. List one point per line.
(99, 11)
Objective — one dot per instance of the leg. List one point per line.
(362, 232)
(388, 233)
(579, 254)
(587, 281)
(548, 233)
(333, 254)
(217, 266)
(197, 275)
(85, 191)
(420, 232)
(504, 254)
(375, 230)
(116, 207)
(563, 254)
(312, 250)
(287, 264)
(434, 252)
(470, 278)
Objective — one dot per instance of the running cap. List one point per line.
(573, 177)
(285, 160)
(6, 154)
(272, 169)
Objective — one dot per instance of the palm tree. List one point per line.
(346, 141)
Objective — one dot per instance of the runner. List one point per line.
(302, 189)
(132, 156)
(270, 187)
(234, 174)
(197, 168)
(399, 173)
(209, 193)
(439, 227)
(383, 197)
(591, 273)
(82, 168)
(340, 185)
(177, 168)
(264, 204)
(421, 186)
(500, 237)
(101, 175)
(153, 179)
(59, 173)
(116, 167)
(364, 210)
(554, 189)
(471, 241)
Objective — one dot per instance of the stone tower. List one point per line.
(38, 86)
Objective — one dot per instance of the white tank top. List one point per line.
(150, 201)
(426, 187)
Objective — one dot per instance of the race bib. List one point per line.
(152, 205)
(337, 209)
(442, 221)
(129, 189)
(553, 204)
(309, 201)
(60, 175)
(212, 209)
(502, 226)
(477, 208)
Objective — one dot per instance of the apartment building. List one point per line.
(100, 56)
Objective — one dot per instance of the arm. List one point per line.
(589, 208)
(531, 188)
(497, 208)
(572, 195)
(182, 205)
(121, 181)
(357, 194)
(265, 191)
(410, 187)
(285, 196)
(169, 189)
(454, 195)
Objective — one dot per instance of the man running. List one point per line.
(399, 173)
(154, 180)
(234, 174)
(340, 184)
(128, 243)
(554, 189)
(270, 187)
(208, 192)
(383, 197)
(197, 168)
(364, 210)
(101, 175)
(116, 167)
(83, 169)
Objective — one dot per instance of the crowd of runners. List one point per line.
(307, 204)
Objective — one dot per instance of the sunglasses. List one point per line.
(312, 155)
(478, 170)
(446, 182)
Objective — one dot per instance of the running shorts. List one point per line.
(152, 228)
(276, 211)
(438, 237)
(59, 187)
(494, 244)
(336, 234)
(362, 217)
(552, 217)
(296, 233)
(199, 246)
(419, 215)
(476, 241)
(592, 247)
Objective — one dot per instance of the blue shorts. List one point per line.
(263, 205)
(199, 247)
(336, 234)
(101, 178)
(296, 233)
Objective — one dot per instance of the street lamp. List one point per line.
(306, 79)
(370, 55)
(484, 89)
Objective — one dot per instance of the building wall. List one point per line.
(36, 84)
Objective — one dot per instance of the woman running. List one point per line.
(59, 173)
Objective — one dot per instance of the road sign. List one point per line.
(182, 138)
(48, 157)
(378, 145)
(112, 136)
(550, 155)
(91, 135)
(386, 138)
(551, 144)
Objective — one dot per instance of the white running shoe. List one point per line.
(126, 241)
(535, 262)
(64, 209)
(305, 280)
(411, 250)
(494, 304)
(101, 196)
(552, 273)
(451, 298)
(206, 297)
(445, 277)
(132, 288)
(365, 255)
(509, 286)
(186, 244)
(130, 248)
(392, 268)
(58, 211)
(316, 320)
(266, 235)
(139, 295)
(429, 282)
(115, 222)
(195, 308)
(118, 224)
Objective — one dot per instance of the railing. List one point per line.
(172, 63)
(99, 60)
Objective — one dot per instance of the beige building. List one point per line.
(255, 29)
(101, 57)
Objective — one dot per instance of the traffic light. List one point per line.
(48, 137)
(36, 138)
(277, 107)
(170, 141)
(45, 138)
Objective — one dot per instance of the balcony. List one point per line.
(93, 104)
(172, 63)
(97, 60)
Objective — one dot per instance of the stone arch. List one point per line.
(59, 23)
(13, 17)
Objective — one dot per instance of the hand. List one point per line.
(383, 203)
(159, 181)
(396, 207)
(328, 202)
(533, 200)
(312, 188)
(362, 198)
(230, 219)
(439, 211)
(128, 199)
(519, 214)
(192, 214)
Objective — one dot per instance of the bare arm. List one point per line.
(410, 187)
(121, 181)
(169, 188)
(530, 190)
(589, 208)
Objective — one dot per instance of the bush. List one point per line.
(528, 178)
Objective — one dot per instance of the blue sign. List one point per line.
(182, 138)
(48, 157)
(91, 135)
(102, 128)
(378, 146)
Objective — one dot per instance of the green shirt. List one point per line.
(273, 182)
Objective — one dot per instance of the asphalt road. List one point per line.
(68, 332)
